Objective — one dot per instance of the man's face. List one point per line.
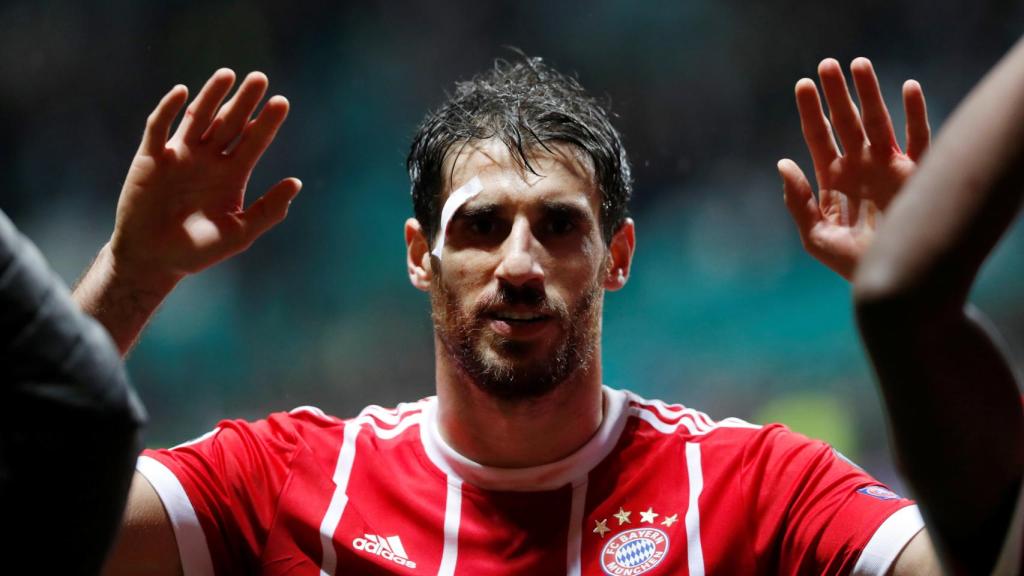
(517, 293)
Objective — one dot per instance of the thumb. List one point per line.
(799, 197)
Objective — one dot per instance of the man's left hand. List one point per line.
(854, 184)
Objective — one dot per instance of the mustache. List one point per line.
(527, 295)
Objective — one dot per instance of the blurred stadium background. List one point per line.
(724, 312)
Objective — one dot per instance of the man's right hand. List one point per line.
(182, 207)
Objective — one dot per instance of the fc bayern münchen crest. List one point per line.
(633, 552)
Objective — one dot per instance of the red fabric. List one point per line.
(773, 502)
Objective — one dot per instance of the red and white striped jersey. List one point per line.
(659, 489)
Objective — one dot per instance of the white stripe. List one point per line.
(700, 420)
(708, 422)
(390, 417)
(888, 541)
(664, 427)
(310, 410)
(694, 552)
(389, 433)
(736, 423)
(452, 515)
(343, 470)
(695, 421)
(339, 499)
(666, 410)
(579, 499)
(687, 422)
(192, 548)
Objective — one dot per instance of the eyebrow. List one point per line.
(562, 208)
(571, 210)
(471, 211)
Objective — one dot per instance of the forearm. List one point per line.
(122, 304)
(956, 421)
(952, 212)
(951, 394)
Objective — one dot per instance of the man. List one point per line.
(952, 395)
(67, 408)
(523, 462)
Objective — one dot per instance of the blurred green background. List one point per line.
(724, 312)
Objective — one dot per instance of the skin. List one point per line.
(952, 395)
(182, 210)
(855, 183)
(515, 234)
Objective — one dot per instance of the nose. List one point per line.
(520, 264)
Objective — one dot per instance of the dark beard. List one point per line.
(507, 377)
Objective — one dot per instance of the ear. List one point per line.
(621, 255)
(417, 258)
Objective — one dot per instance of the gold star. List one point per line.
(602, 527)
(648, 516)
(669, 520)
(623, 516)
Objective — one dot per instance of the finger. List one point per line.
(158, 124)
(875, 115)
(200, 111)
(918, 132)
(234, 115)
(269, 210)
(259, 133)
(816, 128)
(799, 198)
(845, 118)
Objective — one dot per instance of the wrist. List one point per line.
(133, 275)
(121, 298)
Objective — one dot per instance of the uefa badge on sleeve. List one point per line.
(879, 492)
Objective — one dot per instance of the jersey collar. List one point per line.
(569, 470)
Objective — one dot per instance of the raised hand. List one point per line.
(182, 207)
(856, 183)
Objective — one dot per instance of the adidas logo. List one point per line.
(389, 548)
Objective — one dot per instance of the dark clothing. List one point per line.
(70, 423)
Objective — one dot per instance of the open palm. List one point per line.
(182, 207)
(853, 186)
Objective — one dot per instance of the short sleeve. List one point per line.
(818, 513)
(221, 491)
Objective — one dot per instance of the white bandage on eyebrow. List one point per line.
(452, 205)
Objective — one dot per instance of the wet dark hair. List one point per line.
(523, 103)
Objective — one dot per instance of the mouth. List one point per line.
(518, 317)
(518, 323)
